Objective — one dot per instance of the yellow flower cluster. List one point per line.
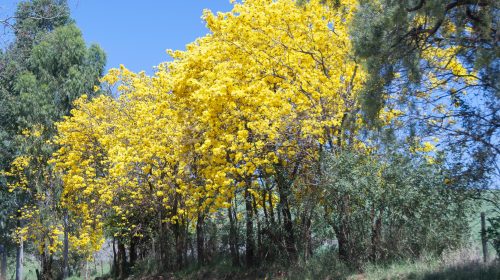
(46, 237)
(16, 175)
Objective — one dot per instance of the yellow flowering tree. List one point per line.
(242, 115)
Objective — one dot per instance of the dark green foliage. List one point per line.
(493, 233)
(34, 19)
(60, 69)
(391, 207)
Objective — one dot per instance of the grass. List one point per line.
(431, 270)
(29, 268)
(460, 264)
(464, 263)
(31, 265)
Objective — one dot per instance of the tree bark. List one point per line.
(271, 209)
(3, 262)
(200, 239)
(287, 221)
(186, 242)
(133, 251)
(46, 264)
(484, 240)
(343, 241)
(306, 234)
(114, 268)
(342, 231)
(122, 261)
(162, 241)
(259, 230)
(233, 237)
(376, 234)
(65, 247)
(19, 261)
(179, 244)
(250, 246)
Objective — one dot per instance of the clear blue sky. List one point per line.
(137, 33)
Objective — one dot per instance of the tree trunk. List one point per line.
(191, 249)
(271, 209)
(161, 241)
(306, 234)
(46, 264)
(153, 249)
(342, 240)
(177, 227)
(376, 234)
(186, 242)
(3, 262)
(122, 261)
(250, 246)
(19, 261)
(114, 268)
(233, 237)
(65, 247)
(200, 239)
(342, 230)
(484, 240)
(259, 230)
(133, 251)
(287, 222)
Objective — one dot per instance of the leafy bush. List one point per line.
(391, 206)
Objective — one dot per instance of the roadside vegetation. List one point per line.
(343, 139)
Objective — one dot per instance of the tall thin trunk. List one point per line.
(87, 269)
(122, 261)
(47, 260)
(342, 243)
(178, 233)
(160, 238)
(114, 269)
(264, 208)
(376, 234)
(3, 262)
(200, 239)
(484, 239)
(19, 261)
(212, 241)
(250, 246)
(65, 247)
(259, 231)
(287, 222)
(233, 237)
(153, 249)
(133, 251)
(186, 242)
(191, 248)
(342, 231)
(178, 244)
(161, 241)
(306, 234)
(271, 209)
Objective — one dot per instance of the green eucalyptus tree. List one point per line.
(46, 67)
